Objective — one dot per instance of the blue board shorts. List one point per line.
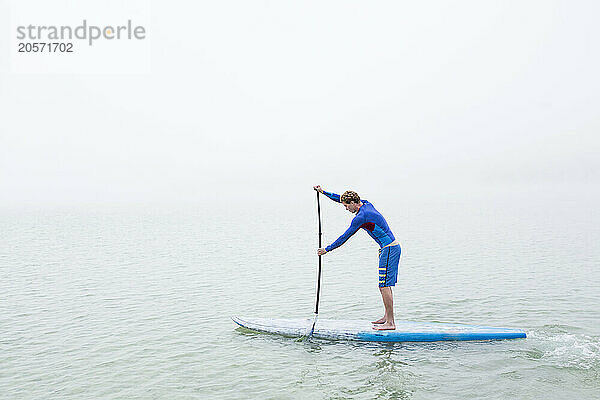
(389, 257)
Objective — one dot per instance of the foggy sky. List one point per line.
(276, 95)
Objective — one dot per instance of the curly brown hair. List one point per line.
(349, 196)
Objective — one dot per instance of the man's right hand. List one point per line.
(318, 188)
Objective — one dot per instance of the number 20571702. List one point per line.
(45, 47)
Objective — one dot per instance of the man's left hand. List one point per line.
(321, 251)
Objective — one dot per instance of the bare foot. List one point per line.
(379, 321)
(385, 327)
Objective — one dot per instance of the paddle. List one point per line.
(312, 329)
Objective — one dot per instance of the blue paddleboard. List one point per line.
(406, 331)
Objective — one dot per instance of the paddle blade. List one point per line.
(311, 328)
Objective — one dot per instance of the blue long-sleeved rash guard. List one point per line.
(367, 218)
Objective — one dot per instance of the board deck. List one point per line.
(361, 330)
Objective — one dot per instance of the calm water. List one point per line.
(134, 302)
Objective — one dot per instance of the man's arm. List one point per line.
(332, 196)
(354, 226)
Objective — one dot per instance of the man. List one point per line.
(369, 219)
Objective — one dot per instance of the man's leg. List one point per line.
(388, 276)
(382, 276)
(388, 303)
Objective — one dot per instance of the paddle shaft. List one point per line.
(319, 274)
